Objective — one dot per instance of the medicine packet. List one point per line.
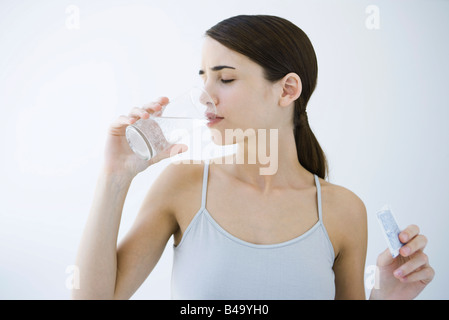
(390, 229)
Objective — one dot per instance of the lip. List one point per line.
(213, 120)
(210, 115)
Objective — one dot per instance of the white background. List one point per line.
(380, 112)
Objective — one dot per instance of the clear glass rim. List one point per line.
(142, 136)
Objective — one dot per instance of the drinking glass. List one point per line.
(176, 120)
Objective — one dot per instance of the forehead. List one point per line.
(214, 54)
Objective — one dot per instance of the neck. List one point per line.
(269, 160)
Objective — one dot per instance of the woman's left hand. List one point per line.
(405, 276)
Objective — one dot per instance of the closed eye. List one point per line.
(227, 81)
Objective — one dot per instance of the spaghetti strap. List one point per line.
(318, 194)
(204, 191)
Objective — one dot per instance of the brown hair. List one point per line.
(279, 47)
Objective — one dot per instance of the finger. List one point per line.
(117, 128)
(177, 149)
(417, 243)
(156, 105)
(385, 258)
(169, 152)
(163, 100)
(121, 121)
(173, 150)
(424, 275)
(138, 113)
(152, 107)
(409, 233)
(416, 262)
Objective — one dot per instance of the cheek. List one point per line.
(245, 107)
(241, 104)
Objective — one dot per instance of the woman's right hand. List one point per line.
(119, 158)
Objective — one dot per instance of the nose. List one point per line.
(209, 88)
(208, 100)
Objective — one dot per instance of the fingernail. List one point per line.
(405, 251)
(404, 237)
(398, 273)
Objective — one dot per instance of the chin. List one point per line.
(218, 137)
(229, 136)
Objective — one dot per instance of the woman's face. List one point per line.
(243, 97)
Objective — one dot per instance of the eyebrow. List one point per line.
(216, 68)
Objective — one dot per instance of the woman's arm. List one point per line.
(346, 221)
(143, 245)
(97, 256)
(101, 268)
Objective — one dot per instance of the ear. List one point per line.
(291, 89)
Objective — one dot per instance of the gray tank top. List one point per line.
(211, 263)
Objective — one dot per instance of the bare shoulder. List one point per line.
(181, 174)
(178, 183)
(341, 201)
(344, 215)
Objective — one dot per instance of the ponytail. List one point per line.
(310, 154)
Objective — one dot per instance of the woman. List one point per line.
(239, 234)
